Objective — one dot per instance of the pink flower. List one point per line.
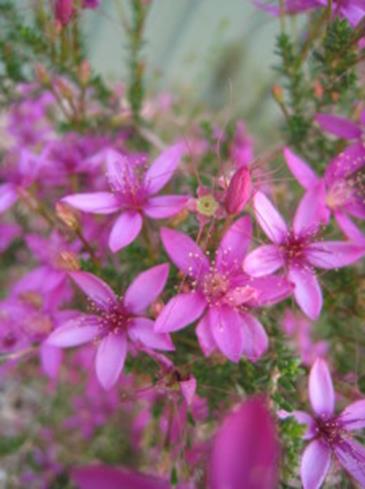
(341, 190)
(329, 434)
(297, 250)
(64, 10)
(133, 194)
(114, 320)
(245, 450)
(238, 191)
(8, 232)
(221, 292)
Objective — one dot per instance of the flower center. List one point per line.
(293, 248)
(329, 430)
(215, 287)
(113, 319)
(339, 194)
(129, 188)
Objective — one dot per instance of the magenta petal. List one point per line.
(307, 291)
(339, 126)
(311, 212)
(245, 451)
(346, 163)
(188, 389)
(351, 455)
(145, 288)
(95, 288)
(269, 290)
(117, 167)
(226, 327)
(184, 252)
(8, 196)
(234, 245)
(320, 387)
(205, 336)
(263, 260)
(353, 416)
(97, 202)
(302, 418)
(162, 169)
(77, 331)
(255, 340)
(51, 358)
(333, 254)
(315, 464)
(300, 169)
(141, 329)
(164, 206)
(269, 218)
(110, 358)
(350, 230)
(180, 311)
(125, 230)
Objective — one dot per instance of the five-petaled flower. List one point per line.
(114, 320)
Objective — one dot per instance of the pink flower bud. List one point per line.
(238, 192)
(63, 11)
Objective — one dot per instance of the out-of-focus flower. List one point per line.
(245, 451)
(133, 194)
(297, 249)
(222, 291)
(8, 232)
(114, 320)
(64, 11)
(329, 434)
(241, 148)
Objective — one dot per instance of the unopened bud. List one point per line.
(67, 216)
(64, 88)
(238, 191)
(42, 75)
(278, 93)
(84, 72)
(318, 89)
(63, 11)
(66, 260)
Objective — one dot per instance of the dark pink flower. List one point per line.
(133, 194)
(91, 3)
(114, 320)
(297, 249)
(246, 450)
(64, 11)
(340, 191)
(329, 434)
(221, 292)
(238, 191)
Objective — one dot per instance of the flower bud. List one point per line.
(278, 93)
(84, 72)
(63, 11)
(67, 216)
(42, 74)
(238, 191)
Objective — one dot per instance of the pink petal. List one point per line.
(205, 336)
(350, 229)
(125, 230)
(162, 169)
(311, 212)
(353, 416)
(269, 290)
(188, 389)
(255, 340)
(333, 254)
(142, 330)
(96, 202)
(302, 418)
(180, 311)
(269, 218)
(263, 260)
(117, 167)
(95, 288)
(8, 196)
(315, 464)
(300, 169)
(184, 252)
(110, 358)
(320, 387)
(351, 455)
(77, 331)
(339, 126)
(51, 358)
(307, 291)
(226, 327)
(245, 451)
(346, 163)
(234, 245)
(164, 206)
(145, 288)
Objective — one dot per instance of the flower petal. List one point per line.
(77, 331)
(320, 387)
(188, 389)
(315, 464)
(269, 290)
(94, 287)
(346, 163)
(234, 245)
(333, 254)
(110, 358)
(162, 169)
(303, 418)
(117, 166)
(184, 252)
(125, 230)
(351, 456)
(141, 329)
(354, 415)
(51, 358)
(8, 196)
(307, 291)
(351, 231)
(226, 327)
(180, 311)
(96, 202)
(205, 336)
(145, 288)
(311, 212)
(339, 126)
(263, 260)
(255, 340)
(164, 206)
(268, 217)
(300, 169)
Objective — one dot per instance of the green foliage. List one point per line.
(11, 444)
